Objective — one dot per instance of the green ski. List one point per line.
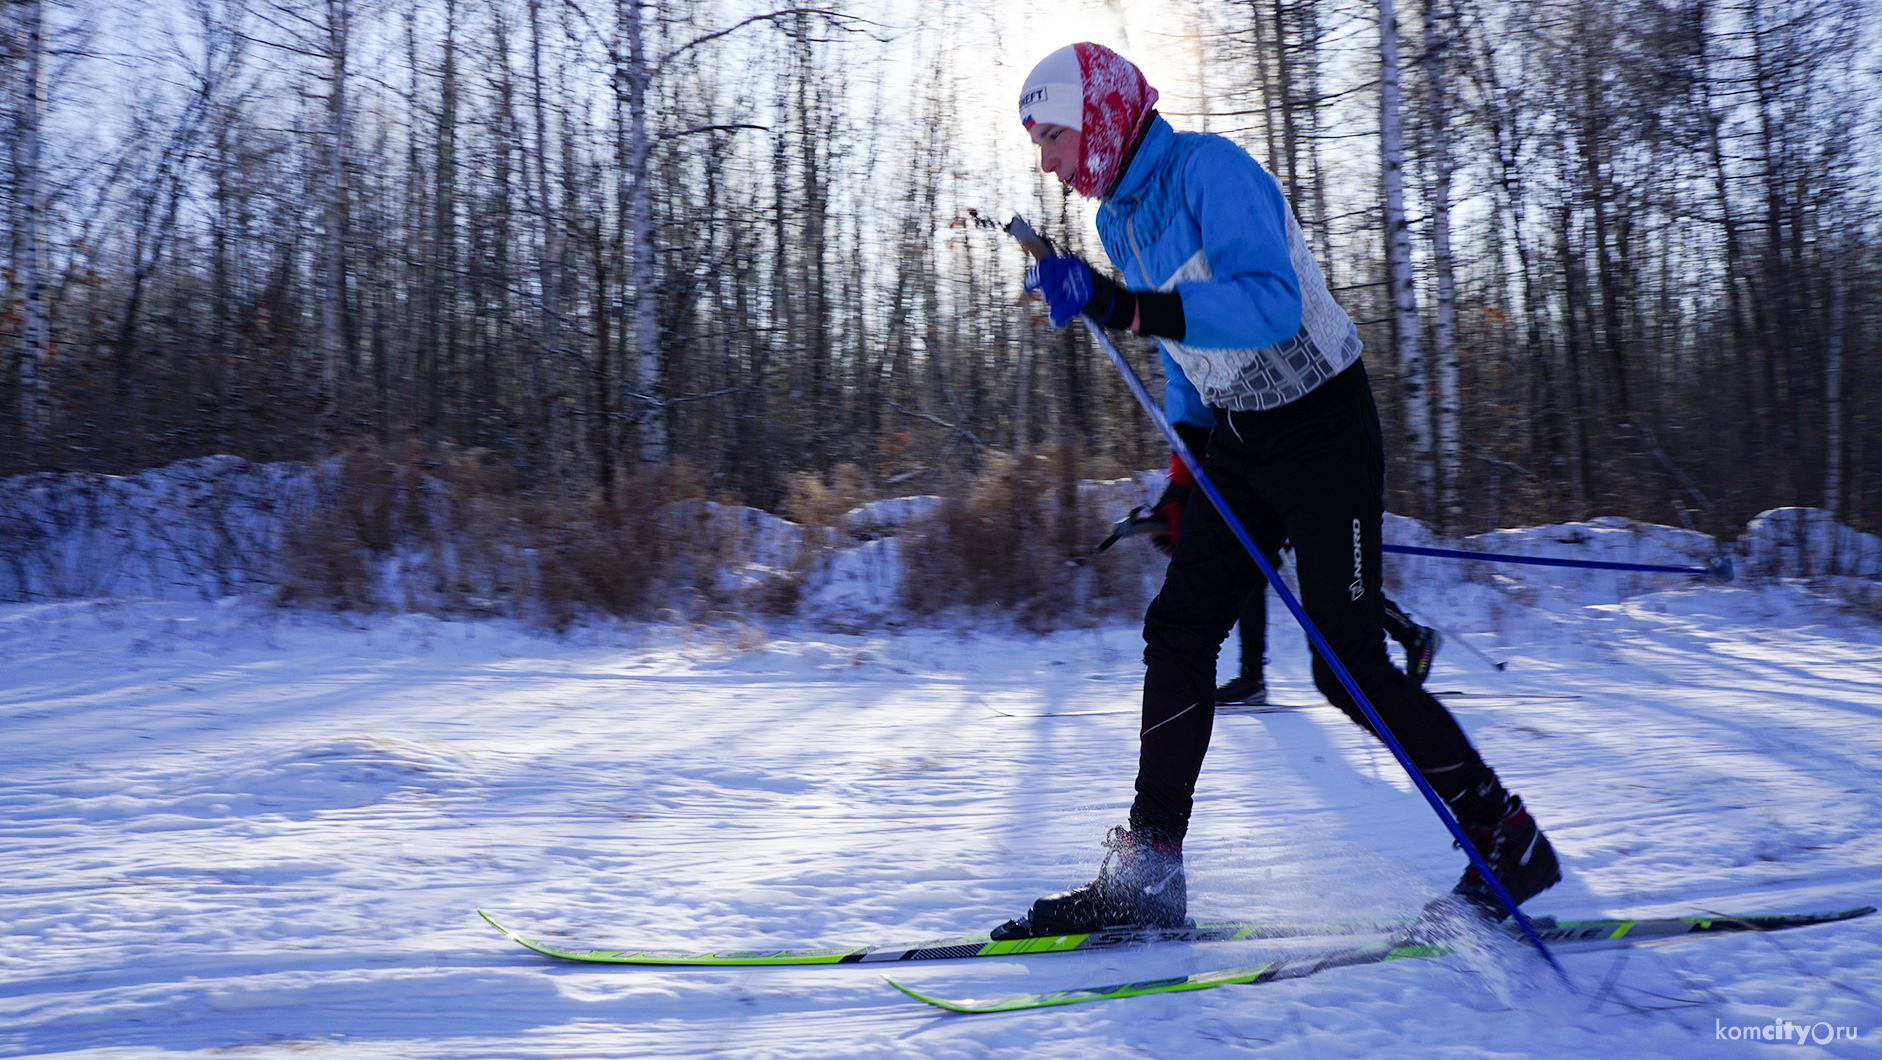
(1571, 936)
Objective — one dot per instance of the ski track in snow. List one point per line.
(237, 832)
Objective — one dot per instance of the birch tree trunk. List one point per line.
(1415, 399)
(1449, 440)
(631, 81)
(35, 388)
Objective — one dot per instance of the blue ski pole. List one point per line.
(1720, 568)
(1038, 247)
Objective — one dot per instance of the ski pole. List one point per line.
(1138, 521)
(1452, 638)
(1039, 248)
(1720, 568)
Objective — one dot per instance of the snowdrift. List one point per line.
(215, 527)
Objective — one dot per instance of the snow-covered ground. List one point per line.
(231, 831)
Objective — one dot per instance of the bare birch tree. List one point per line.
(28, 39)
(632, 75)
(1413, 386)
(1449, 439)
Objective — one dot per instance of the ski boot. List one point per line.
(1243, 691)
(1522, 858)
(1140, 884)
(1519, 853)
(1421, 647)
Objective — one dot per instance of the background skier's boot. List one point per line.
(1421, 647)
(1243, 691)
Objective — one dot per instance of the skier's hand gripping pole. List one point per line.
(1037, 246)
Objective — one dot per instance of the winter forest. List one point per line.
(594, 462)
(1607, 258)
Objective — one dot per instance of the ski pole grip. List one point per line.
(1035, 244)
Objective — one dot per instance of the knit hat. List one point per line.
(1054, 92)
(1100, 93)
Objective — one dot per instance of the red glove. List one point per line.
(1170, 505)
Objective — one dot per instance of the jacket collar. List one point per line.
(1155, 146)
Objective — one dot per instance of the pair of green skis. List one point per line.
(1571, 936)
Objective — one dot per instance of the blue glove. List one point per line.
(1071, 288)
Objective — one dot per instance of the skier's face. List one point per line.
(1058, 150)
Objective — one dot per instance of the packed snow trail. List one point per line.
(223, 829)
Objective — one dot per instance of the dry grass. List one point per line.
(1016, 539)
(812, 500)
(405, 527)
(441, 530)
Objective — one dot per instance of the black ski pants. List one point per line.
(1313, 472)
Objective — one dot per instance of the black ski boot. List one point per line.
(1139, 884)
(1518, 852)
(1244, 692)
(1421, 646)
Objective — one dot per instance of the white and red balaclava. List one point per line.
(1100, 93)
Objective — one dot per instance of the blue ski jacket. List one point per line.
(1195, 214)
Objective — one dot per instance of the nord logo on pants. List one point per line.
(1358, 588)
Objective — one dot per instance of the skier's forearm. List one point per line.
(1159, 313)
(1155, 313)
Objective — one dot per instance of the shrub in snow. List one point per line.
(813, 500)
(1017, 540)
(445, 531)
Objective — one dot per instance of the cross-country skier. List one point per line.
(1216, 268)
(1193, 421)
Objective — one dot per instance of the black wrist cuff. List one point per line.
(1111, 305)
(1123, 310)
(1159, 313)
